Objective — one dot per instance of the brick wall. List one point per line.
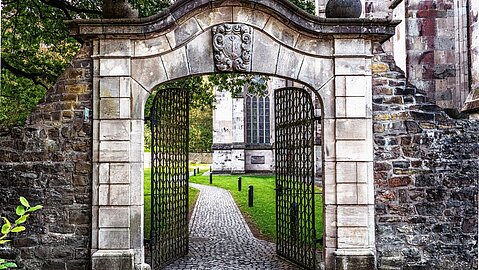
(426, 177)
(48, 161)
(436, 44)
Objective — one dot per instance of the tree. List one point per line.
(36, 48)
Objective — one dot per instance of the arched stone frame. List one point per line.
(131, 57)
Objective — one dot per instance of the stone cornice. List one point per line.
(377, 29)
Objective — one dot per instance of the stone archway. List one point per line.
(332, 56)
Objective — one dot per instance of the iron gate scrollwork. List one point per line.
(169, 176)
(294, 155)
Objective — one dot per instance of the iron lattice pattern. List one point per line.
(169, 177)
(294, 139)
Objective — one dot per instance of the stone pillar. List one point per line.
(222, 132)
(117, 229)
(348, 138)
(472, 102)
(238, 134)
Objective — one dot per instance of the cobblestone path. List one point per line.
(221, 239)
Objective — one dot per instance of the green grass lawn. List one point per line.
(262, 215)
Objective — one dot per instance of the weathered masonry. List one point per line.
(400, 177)
(331, 56)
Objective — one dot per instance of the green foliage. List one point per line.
(305, 5)
(201, 130)
(22, 211)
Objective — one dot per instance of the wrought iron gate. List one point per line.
(169, 176)
(294, 140)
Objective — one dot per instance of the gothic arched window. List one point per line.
(258, 126)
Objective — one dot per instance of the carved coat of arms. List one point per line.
(232, 47)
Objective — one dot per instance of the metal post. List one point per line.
(239, 183)
(194, 172)
(198, 170)
(211, 178)
(250, 196)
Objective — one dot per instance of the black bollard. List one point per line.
(211, 178)
(194, 172)
(239, 183)
(250, 196)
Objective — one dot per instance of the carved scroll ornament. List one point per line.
(232, 47)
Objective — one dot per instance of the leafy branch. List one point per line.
(23, 212)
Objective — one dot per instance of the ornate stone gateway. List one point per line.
(294, 157)
(169, 176)
(131, 57)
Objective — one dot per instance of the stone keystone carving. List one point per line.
(232, 47)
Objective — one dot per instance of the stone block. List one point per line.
(109, 87)
(289, 63)
(214, 16)
(312, 45)
(149, 72)
(340, 109)
(200, 54)
(115, 47)
(329, 139)
(114, 130)
(114, 217)
(351, 216)
(104, 173)
(352, 129)
(330, 221)
(329, 169)
(114, 195)
(281, 32)
(136, 187)
(347, 194)
(352, 66)
(365, 193)
(265, 48)
(328, 100)
(114, 151)
(136, 227)
(125, 108)
(362, 262)
(109, 108)
(115, 67)
(353, 237)
(250, 16)
(114, 238)
(113, 259)
(360, 150)
(357, 107)
(352, 47)
(316, 71)
(346, 172)
(176, 64)
(138, 99)
(184, 32)
(119, 173)
(153, 46)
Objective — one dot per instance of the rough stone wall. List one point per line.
(426, 177)
(436, 44)
(48, 161)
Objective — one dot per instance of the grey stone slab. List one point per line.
(264, 48)
(200, 54)
(176, 64)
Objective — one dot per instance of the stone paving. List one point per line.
(221, 239)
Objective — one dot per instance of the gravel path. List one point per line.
(221, 239)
